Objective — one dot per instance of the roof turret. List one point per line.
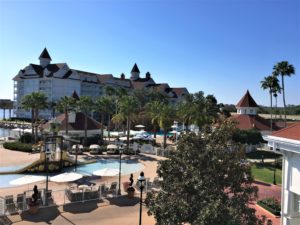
(45, 54)
(247, 101)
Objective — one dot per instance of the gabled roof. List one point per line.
(245, 122)
(247, 101)
(291, 132)
(45, 55)
(135, 69)
(78, 123)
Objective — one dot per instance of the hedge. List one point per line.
(270, 204)
(17, 146)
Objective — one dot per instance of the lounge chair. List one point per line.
(113, 188)
(9, 204)
(21, 201)
(103, 189)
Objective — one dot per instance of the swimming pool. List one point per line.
(128, 166)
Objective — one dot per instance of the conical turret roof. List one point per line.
(45, 54)
(135, 69)
(247, 101)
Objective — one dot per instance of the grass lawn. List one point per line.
(265, 172)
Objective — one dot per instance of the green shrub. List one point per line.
(270, 204)
(17, 146)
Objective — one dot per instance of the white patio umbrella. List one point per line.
(106, 172)
(94, 146)
(66, 177)
(140, 126)
(111, 146)
(27, 179)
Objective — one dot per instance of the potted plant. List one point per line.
(130, 192)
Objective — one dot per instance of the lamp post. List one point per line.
(47, 154)
(120, 152)
(141, 180)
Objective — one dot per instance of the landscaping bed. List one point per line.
(271, 205)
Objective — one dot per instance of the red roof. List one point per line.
(78, 124)
(290, 132)
(247, 101)
(246, 122)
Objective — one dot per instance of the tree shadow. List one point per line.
(81, 207)
(44, 215)
(123, 201)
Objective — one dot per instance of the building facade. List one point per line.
(287, 142)
(59, 80)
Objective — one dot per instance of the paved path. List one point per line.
(87, 214)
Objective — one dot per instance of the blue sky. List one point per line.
(217, 46)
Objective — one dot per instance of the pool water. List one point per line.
(127, 167)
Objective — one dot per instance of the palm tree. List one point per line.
(128, 109)
(35, 102)
(85, 105)
(65, 105)
(270, 82)
(283, 69)
(166, 118)
(276, 89)
(104, 105)
(153, 109)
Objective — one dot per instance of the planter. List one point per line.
(33, 208)
(130, 192)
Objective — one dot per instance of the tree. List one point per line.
(270, 82)
(65, 105)
(129, 106)
(104, 105)
(166, 118)
(283, 69)
(204, 183)
(153, 109)
(35, 102)
(276, 89)
(185, 109)
(85, 105)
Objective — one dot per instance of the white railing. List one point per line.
(82, 193)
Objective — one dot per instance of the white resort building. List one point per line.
(59, 80)
(287, 142)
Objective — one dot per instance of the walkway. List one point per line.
(88, 213)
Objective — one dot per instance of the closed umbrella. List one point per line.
(27, 179)
(66, 177)
(106, 172)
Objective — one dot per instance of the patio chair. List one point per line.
(49, 197)
(156, 183)
(9, 204)
(21, 201)
(113, 188)
(103, 190)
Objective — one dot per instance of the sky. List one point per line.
(221, 47)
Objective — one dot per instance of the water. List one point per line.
(5, 132)
(128, 166)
